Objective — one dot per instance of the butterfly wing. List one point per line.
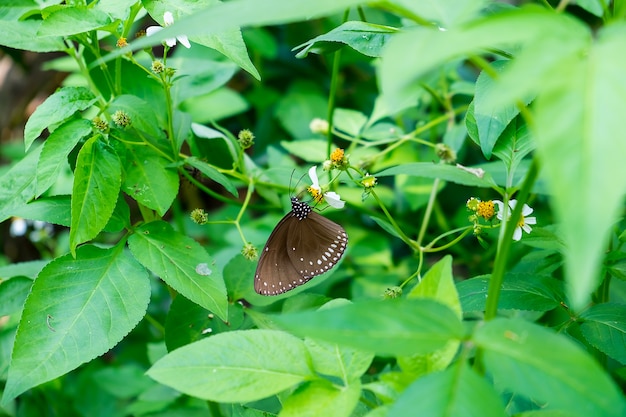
(303, 245)
(275, 274)
(315, 245)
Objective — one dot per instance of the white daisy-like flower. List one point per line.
(524, 221)
(168, 20)
(333, 199)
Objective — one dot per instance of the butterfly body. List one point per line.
(304, 244)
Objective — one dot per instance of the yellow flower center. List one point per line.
(521, 223)
(486, 209)
(317, 195)
(121, 42)
(369, 181)
(337, 155)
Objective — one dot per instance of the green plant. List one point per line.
(536, 328)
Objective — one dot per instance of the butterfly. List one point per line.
(303, 244)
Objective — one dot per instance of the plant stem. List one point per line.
(497, 276)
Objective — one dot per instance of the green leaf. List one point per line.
(529, 292)
(391, 327)
(200, 75)
(56, 149)
(366, 38)
(237, 273)
(604, 327)
(135, 381)
(457, 391)
(213, 174)
(302, 103)
(78, 309)
(28, 269)
(18, 185)
(350, 121)
(13, 293)
(182, 263)
(513, 145)
(444, 172)
(120, 219)
(58, 107)
(142, 116)
(310, 150)
(532, 361)
(23, 34)
(578, 120)
(97, 181)
(437, 285)
(431, 48)
(322, 398)
(73, 20)
(219, 104)
(490, 120)
(188, 322)
(332, 359)
(148, 178)
(227, 15)
(446, 13)
(239, 366)
(228, 42)
(55, 210)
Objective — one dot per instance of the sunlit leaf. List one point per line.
(182, 263)
(534, 362)
(239, 366)
(391, 327)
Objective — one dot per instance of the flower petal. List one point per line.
(168, 18)
(170, 42)
(517, 233)
(500, 205)
(530, 220)
(334, 200)
(183, 40)
(313, 175)
(151, 30)
(526, 210)
(527, 228)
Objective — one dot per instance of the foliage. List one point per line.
(142, 302)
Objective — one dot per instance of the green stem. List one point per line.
(395, 226)
(428, 212)
(334, 85)
(206, 189)
(497, 276)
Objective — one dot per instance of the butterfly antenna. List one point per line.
(301, 193)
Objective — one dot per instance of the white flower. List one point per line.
(524, 221)
(333, 199)
(168, 19)
(318, 125)
(18, 227)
